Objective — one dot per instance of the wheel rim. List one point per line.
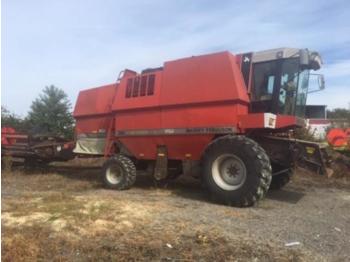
(229, 172)
(114, 174)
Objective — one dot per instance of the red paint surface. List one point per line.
(284, 121)
(249, 121)
(200, 91)
(95, 101)
(93, 124)
(337, 137)
(5, 140)
(347, 131)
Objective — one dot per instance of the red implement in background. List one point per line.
(338, 137)
(36, 148)
(7, 136)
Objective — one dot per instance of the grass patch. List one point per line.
(40, 243)
(95, 211)
(61, 205)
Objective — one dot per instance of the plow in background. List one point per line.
(34, 149)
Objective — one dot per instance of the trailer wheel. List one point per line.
(237, 170)
(280, 180)
(119, 172)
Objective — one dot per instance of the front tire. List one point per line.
(237, 170)
(119, 172)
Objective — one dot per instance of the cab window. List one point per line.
(264, 81)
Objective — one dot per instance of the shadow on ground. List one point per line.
(184, 187)
(283, 195)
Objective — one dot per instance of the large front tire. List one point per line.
(119, 172)
(237, 170)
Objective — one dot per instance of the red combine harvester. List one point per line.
(222, 117)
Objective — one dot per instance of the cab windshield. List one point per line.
(280, 87)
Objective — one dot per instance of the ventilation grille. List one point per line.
(140, 86)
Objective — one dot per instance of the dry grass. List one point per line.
(40, 243)
(7, 163)
(56, 217)
(308, 179)
(341, 165)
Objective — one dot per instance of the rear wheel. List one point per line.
(237, 170)
(119, 172)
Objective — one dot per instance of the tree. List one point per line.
(340, 117)
(339, 113)
(9, 119)
(50, 112)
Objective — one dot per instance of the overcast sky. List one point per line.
(78, 44)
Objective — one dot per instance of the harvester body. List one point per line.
(183, 106)
(222, 117)
(176, 106)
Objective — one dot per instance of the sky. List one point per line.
(79, 44)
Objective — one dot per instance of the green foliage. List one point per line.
(304, 133)
(51, 112)
(340, 117)
(10, 119)
(339, 113)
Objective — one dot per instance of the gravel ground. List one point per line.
(69, 207)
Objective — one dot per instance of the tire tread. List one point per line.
(128, 167)
(261, 164)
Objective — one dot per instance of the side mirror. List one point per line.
(315, 87)
(304, 58)
(321, 82)
(309, 60)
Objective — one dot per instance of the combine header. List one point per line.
(35, 149)
(226, 118)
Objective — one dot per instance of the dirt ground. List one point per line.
(65, 214)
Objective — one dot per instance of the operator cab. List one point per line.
(280, 79)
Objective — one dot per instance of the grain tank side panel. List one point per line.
(92, 125)
(199, 79)
(218, 114)
(140, 119)
(198, 92)
(93, 109)
(95, 101)
(203, 91)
